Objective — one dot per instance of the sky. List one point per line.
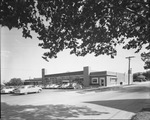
(22, 58)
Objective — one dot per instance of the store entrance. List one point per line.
(102, 81)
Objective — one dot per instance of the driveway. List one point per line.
(62, 104)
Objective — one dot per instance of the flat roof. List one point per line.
(34, 79)
(103, 73)
(65, 74)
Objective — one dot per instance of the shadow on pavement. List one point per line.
(29, 112)
(139, 89)
(99, 89)
(129, 105)
(122, 89)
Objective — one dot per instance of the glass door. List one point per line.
(102, 81)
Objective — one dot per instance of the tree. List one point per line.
(83, 26)
(135, 75)
(14, 82)
(147, 74)
(146, 58)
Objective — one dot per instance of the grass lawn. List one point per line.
(144, 114)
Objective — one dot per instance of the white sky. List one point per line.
(22, 58)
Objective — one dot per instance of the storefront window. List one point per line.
(113, 80)
(94, 80)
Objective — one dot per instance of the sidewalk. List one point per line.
(121, 107)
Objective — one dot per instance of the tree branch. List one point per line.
(128, 9)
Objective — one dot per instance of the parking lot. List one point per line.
(72, 104)
(49, 104)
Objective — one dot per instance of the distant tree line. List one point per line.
(146, 74)
(14, 82)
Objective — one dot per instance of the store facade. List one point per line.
(84, 77)
(87, 78)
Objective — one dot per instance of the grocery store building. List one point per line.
(87, 78)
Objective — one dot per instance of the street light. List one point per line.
(129, 69)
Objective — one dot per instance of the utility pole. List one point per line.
(129, 69)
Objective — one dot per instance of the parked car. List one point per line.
(56, 86)
(47, 86)
(70, 86)
(77, 86)
(139, 80)
(51, 85)
(7, 89)
(40, 86)
(65, 85)
(27, 89)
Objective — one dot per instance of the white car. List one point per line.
(56, 86)
(7, 89)
(27, 89)
(47, 86)
(65, 85)
(52, 86)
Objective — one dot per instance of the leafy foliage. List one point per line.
(18, 14)
(146, 58)
(135, 75)
(83, 26)
(146, 74)
(14, 82)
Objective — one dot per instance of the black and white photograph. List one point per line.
(75, 59)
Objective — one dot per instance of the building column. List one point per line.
(43, 77)
(86, 76)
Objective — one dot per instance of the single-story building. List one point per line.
(87, 78)
(34, 81)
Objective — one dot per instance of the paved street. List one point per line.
(56, 104)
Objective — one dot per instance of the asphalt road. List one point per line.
(62, 104)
